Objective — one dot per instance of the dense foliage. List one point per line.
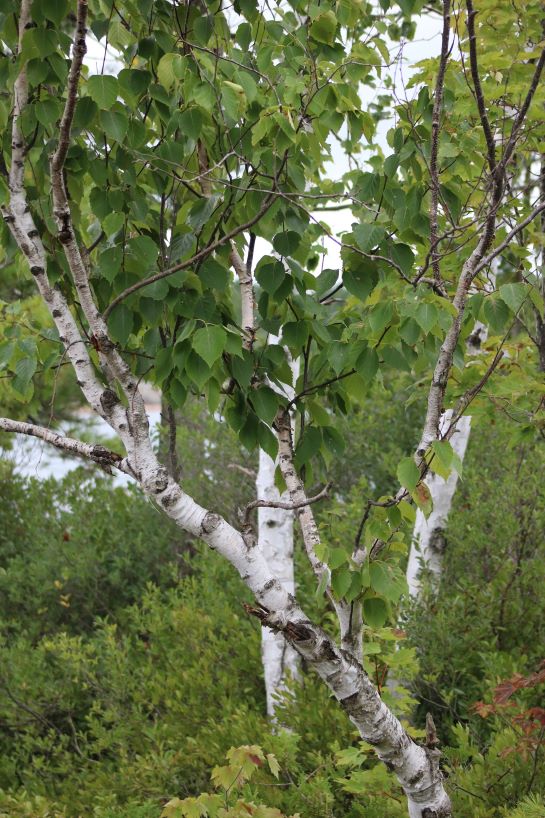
(170, 213)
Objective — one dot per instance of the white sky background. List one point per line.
(35, 458)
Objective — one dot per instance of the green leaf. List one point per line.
(168, 69)
(514, 295)
(337, 557)
(375, 612)
(54, 10)
(197, 369)
(403, 257)
(496, 313)
(163, 363)
(86, 111)
(48, 111)
(360, 280)
(248, 434)
(234, 100)
(341, 580)
(209, 342)
(380, 577)
(286, 243)
(409, 331)
(243, 368)
(446, 457)
(102, 89)
(323, 28)
(333, 440)
(142, 252)
(408, 474)
(270, 275)
(380, 316)
(113, 223)
(367, 364)
(267, 441)
(265, 403)
(190, 122)
(308, 446)
(24, 372)
(201, 211)
(295, 334)
(115, 125)
(368, 235)
(120, 323)
(426, 315)
(39, 42)
(158, 290)
(274, 766)
(213, 274)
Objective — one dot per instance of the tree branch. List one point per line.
(114, 367)
(190, 262)
(435, 127)
(91, 451)
(245, 516)
(19, 219)
(479, 96)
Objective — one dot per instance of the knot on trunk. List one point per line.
(210, 523)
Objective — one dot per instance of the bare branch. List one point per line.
(251, 473)
(308, 501)
(91, 451)
(79, 51)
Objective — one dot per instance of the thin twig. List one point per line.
(286, 506)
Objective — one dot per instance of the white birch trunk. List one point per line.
(275, 538)
(428, 544)
(429, 538)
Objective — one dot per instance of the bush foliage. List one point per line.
(127, 677)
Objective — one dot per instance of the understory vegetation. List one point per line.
(125, 682)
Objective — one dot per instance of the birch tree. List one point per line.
(104, 207)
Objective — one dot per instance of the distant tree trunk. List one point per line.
(275, 536)
(429, 536)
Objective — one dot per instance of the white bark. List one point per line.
(275, 539)
(428, 543)
(429, 538)
(416, 767)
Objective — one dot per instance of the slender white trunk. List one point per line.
(275, 537)
(429, 538)
(429, 541)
